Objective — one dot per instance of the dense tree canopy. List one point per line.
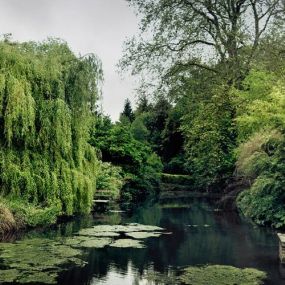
(220, 67)
(220, 36)
(48, 98)
(120, 146)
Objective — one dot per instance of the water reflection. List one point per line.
(200, 235)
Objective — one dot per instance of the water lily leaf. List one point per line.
(133, 227)
(143, 235)
(95, 233)
(123, 243)
(96, 243)
(211, 274)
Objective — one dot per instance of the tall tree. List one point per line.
(127, 112)
(220, 36)
(47, 101)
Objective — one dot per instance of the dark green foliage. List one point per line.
(221, 65)
(140, 165)
(127, 114)
(47, 98)
(210, 136)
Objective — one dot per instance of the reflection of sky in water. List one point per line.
(199, 236)
(119, 277)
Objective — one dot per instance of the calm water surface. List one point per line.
(200, 235)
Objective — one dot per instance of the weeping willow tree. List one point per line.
(47, 103)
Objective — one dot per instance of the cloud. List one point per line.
(98, 26)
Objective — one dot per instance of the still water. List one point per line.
(200, 235)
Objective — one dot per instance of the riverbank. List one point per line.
(16, 215)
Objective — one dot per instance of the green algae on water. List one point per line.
(210, 275)
(222, 275)
(36, 260)
(40, 260)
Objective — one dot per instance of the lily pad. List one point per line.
(95, 233)
(96, 243)
(126, 228)
(124, 243)
(143, 235)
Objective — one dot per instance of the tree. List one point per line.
(143, 105)
(261, 155)
(141, 166)
(127, 112)
(47, 99)
(219, 36)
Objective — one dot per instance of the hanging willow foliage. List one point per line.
(47, 102)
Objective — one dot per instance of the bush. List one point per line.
(141, 167)
(264, 201)
(110, 180)
(176, 165)
(261, 156)
(24, 214)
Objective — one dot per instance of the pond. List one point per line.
(193, 233)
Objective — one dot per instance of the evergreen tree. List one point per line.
(127, 112)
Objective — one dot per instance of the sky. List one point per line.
(88, 26)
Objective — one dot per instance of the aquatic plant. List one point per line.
(36, 260)
(210, 274)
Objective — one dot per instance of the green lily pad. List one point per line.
(39, 260)
(126, 228)
(96, 243)
(124, 243)
(95, 233)
(143, 235)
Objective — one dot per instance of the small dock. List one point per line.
(281, 247)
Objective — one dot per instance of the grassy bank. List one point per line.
(17, 214)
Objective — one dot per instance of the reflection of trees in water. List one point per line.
(200, 236)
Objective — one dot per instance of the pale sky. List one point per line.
(98, 26)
